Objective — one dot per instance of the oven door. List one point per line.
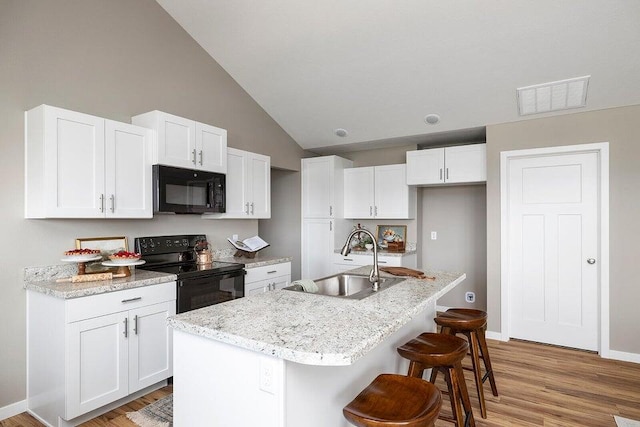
(194, 293)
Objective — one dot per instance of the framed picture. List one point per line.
(106, 245)
(391, 234)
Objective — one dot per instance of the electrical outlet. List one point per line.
(470, 297)
(434, 235)
(266, 376)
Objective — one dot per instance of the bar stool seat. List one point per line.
(472, 324)
(395, 401)
(442, 353)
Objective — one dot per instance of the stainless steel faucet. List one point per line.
(374, 275)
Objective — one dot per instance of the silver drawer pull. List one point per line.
(347, 259)
(382, 262)
(271, 272)
(124, 301)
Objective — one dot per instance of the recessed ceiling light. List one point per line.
(341, 132)
(431, 119)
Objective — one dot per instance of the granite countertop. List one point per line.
(315, 329)
(258, 261)
(67, 290)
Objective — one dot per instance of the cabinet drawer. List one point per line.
(267, 272)
(113, 302)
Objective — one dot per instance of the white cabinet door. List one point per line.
(211, 147)
(259, 185)
(128, 186)
(280, 282)
(317, 187)
(150, 346)
(425, 166)
(97, 364)
(236, 184)
(392, 192)
(359, 192)
(255, 288)
(73, 161)
(466, 163)
(176, 140)
(318, 246)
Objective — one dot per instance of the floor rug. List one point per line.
(156, 414)
(626, 422)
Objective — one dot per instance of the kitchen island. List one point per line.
(287, 358)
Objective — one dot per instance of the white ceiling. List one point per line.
(377, 67)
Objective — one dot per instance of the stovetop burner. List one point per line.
(176, 255)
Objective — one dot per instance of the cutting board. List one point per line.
(404, 271)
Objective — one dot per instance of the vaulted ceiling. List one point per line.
(376, 68)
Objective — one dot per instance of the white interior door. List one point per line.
(553, 249)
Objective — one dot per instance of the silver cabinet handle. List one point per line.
(370, 210)
(135, 324)
(102, 203)
(440, 174)
(200, 157)
(272, 271)
(113, 202)
(193, 153)
(330, 210)
(252, 208)
(591, 261)
(382, 262)
(246, 208)
(447, 173)
(348, 259)
(126, 327)
(330, 225)
(375, 210)
(124, 301)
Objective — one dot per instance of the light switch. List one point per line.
(434, 235)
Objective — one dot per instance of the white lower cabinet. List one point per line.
(88, 352)
(267, 278)
(344, 263)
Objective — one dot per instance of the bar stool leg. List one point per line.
(454, 395)
(477, 370)
(464, 394)
(487, 360)
(416, 370)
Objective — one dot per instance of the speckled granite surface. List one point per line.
(315, 329)
(43, 279)
(258, 261)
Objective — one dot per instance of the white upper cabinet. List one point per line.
(82, 166)
(449, 165)
(248, 186)
(378, 192)
(322, 186)
(186, 143)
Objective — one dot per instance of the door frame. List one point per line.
(602, 150)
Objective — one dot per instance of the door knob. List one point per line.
(591, 261)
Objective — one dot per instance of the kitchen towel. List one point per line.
(308, 285)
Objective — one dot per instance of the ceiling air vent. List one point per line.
(553, 96)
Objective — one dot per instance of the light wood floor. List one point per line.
(539, 385)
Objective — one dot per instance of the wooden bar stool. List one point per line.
(471, 323)
(395, 401)
(444, 353)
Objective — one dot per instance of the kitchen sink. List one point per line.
(350, 286)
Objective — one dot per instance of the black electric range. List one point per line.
(198, 285)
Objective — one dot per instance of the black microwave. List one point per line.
(187, 191)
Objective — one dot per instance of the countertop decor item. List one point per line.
(107, 246)
(392, 237)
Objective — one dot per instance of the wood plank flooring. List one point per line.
(539, 385)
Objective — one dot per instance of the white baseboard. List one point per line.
(13, 409)
(495, 336)
(623, 356)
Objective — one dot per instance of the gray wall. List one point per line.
(113, 59)
(283, 230)
(621, 128)
(458, 214)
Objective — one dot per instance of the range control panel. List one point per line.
(167, 244)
